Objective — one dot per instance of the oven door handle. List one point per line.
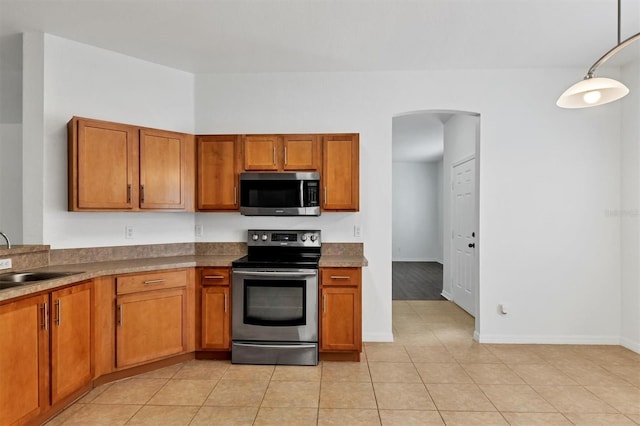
(278, 273)
(289, 346)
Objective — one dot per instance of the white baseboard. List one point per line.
(630, 344)
(547, 340)
(447, 295)
(377, 337)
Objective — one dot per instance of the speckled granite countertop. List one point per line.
(335, 255)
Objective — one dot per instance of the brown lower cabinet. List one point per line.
(56, 344)
(341, 311)
(71, 340)
(215, 309)
(46, 351)
(151, 316)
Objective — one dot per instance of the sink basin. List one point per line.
(14, 279)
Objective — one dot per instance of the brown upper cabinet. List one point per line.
(281, 153)
(217, 178)
(119, 167)
(340, 178)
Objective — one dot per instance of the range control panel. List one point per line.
(279, 238)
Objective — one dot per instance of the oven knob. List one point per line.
(254, 237)
(314, 237)
(304, 237)
(264, 237)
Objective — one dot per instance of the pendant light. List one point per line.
(593, 91)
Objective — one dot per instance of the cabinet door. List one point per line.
(71, 340)
(102, 165)
(218, 172)
(340, 172)
(301, 152)
(163, 169)
(215, 318)
(261, 152)
(341, 319)
(150, 326)
(24, 359)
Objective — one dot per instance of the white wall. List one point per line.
(629, 212)
(461, 140)
(546, 178)
(11, 137)
(90, 82)
(417, 212)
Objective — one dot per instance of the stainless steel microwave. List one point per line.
(280, 194)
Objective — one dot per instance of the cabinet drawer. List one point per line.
(214, 276)
(340, 276)
(151, 281)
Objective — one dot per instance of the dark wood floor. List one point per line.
(416, 281)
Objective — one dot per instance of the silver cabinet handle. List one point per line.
(142, 193)
(128, 193)
(213, 277)
(58, 319)
(153, 282)
(324, 303)
(235, 195)
(285, 156)
(120, 308)
(274, 155)
(45, 316)
(325, 195)
(225, 302)
(340, 277)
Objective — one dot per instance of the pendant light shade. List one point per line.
(592, 92)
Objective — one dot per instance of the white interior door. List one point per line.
(463, 259)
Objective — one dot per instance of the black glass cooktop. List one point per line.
(268, 257)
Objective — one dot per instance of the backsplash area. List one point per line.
(38, 256)
(26, 257)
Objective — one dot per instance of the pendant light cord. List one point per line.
(616, 49)
(619, 19)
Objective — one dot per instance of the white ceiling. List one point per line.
(238, 36)
(333, 35)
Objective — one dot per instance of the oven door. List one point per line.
(275, 305)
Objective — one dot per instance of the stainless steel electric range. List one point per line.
(275, 299)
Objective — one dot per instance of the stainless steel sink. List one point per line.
(14, 279)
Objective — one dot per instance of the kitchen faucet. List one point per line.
(6, 239)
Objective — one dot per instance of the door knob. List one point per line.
(472, 245)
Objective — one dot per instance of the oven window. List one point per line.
(275, 303)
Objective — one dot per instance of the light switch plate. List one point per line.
(5, 263)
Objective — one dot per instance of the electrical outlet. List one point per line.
(199, 230)
(5, 264)
(129, 231)
(357, 231)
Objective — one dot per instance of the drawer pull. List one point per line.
(213, 277)
(153, 281)
(340, 277)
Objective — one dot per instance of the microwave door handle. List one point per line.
(301, 193)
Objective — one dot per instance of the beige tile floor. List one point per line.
(433, 374)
